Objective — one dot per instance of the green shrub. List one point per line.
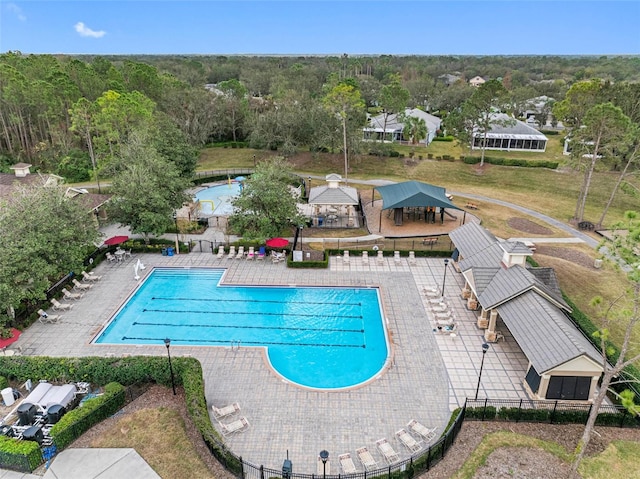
(76, 422)
(308, 264)
(550, 132)
(486, 413)
(22, 456)
(4, 383)
(444, 138)
(472, 160)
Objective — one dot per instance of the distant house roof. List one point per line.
(394, 122)
(448, 78)
(477, 80)
(414, 194)
(511, 128)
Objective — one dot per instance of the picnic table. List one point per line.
(472, 206)
(586, 225)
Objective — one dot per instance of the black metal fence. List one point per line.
(416, 464)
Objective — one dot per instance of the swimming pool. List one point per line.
(216, 200)
(317, 337)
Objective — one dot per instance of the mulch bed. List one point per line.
(528, 226)
(567, 254)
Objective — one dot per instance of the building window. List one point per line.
(569, 388)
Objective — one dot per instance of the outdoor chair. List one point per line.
(387, 451)
(233, 427)
(396, 257)
(220, 251)
(45, 317)
(412, 257)
(367, 460)
(251, 254)
(408, 441)
(111, 257)
(380, 257)
(226, 410)
(69, 295)
(432, 291)
(82, 286)
(345, 256)
(262, 252)
(90, 276)
(232, 252)
(57, 306)
(11, 352)
(440, 307)
(347, 464)
(127, 253)
(420, 429)
(365, 257)
(240, 254)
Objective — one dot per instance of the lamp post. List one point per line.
(300, 236)
(485, 348)
(175, 220)
(444, 278)
(324, 456)
(167, 343)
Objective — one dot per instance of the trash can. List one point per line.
(164, 252)
(170, 251)
(7, 396)
(320, 220)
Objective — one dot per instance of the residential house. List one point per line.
(476, 81)
(509, 134)
(392, 131)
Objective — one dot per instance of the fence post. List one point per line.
(519, 411)
(389, 472)
(261, 471)
(624, 415)
(484, 409)
(553, 413)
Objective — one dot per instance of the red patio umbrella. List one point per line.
(277, 242)
(114, 240)
(15, 334)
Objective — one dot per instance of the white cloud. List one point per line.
(17, 11)
(85, 31)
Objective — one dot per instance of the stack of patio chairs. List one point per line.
(345, 256)
(412, 257)
(365, 257)
(380, 257)
(396, 257)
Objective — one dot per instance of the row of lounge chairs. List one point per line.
(424, 436)
(78, 292)
(250, 254)
(397, 259)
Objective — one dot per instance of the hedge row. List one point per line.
(229, 144)
(443, 138)
(20, 456)
(472, 160)
(79, 420)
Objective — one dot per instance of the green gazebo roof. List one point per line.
(414, 194)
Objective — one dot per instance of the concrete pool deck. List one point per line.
(430, 374)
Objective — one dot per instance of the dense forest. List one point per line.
(75, 115)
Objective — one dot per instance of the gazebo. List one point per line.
(422, 198)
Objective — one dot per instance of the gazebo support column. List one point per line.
(483, 319)
(490, 333)
(466, 291)
(472, 302)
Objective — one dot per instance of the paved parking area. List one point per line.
(429, 374)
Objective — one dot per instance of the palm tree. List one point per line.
(415, 129)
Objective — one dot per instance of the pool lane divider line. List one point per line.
(217, 300)
(283, 328)
(244, 343)
(302, 315)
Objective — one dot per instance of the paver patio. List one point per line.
(428, 375)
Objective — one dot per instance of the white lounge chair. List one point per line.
(420, 429)
(432, 291)
(127, 252)
(57, 306)
(365, 257)
(69, 295)
(412, 257)
(111, 257)
(226, 410)
(345, 256)
(220, 251)
(396, 257)
(387, 451)
(440, 307)
(262, 252)
(251, 254)
(45, 317)
(347, 464)
(11, 352)
(240, 254)
(367, 460)
(444, 315)
(90, 276)
(232, 252)
(82, 286)
(408, 440)
(380, 257)
(233, 427)
(277, 257)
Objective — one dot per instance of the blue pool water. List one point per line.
(217, 199)
(326, 338)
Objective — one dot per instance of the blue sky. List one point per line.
(419, 27)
